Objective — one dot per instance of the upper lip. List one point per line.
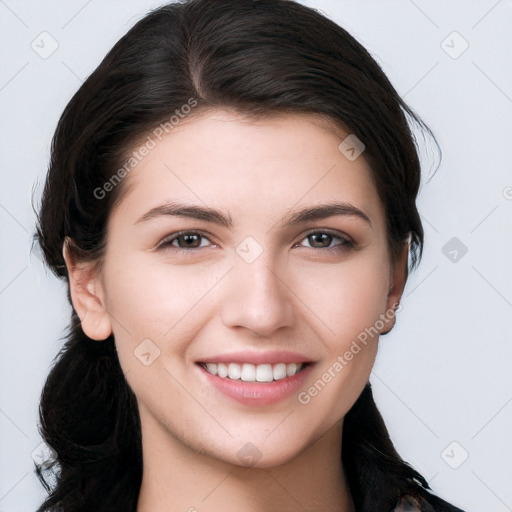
(267, 357)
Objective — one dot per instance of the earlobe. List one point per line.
(87, 295)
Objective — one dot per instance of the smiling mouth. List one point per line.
(248, 372)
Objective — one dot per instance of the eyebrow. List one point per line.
(215, 216)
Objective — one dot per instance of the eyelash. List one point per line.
(346, 243)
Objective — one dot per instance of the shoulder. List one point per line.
(407, 504)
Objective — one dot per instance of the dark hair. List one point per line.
(260, 58)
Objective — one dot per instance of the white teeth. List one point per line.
(212, 368)
(253, 373)
(234, 371)
(264, 373)
(291, 369)
(279, 371)
(222, 370)
(248, 373)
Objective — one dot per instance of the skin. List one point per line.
(299, 295)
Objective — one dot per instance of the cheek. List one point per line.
(350, 300)
(149, 300)
(348, 297)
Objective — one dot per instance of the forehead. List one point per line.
(227, 160)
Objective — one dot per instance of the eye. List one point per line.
(324, 239)
(321, 240)
(183, 240)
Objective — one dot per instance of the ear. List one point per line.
(398, 278)
(87, 295)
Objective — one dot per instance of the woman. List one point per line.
(231, 199)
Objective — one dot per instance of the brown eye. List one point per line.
(320, 240)
(191, 240)
(184, 240)
(324, 239)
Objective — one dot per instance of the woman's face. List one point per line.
(212, 258)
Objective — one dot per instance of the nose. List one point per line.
(257, 298)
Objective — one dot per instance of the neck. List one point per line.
(178, 479)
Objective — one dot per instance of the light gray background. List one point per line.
(442, 379)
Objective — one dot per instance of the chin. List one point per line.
(261, 452)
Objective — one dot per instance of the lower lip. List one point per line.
(258, 393)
